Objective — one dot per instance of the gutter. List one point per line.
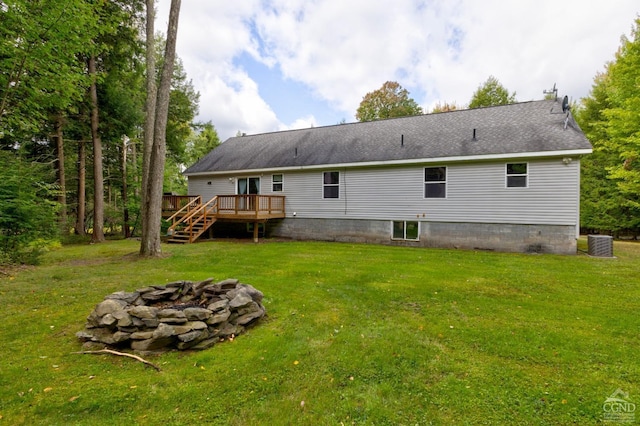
(439, 160)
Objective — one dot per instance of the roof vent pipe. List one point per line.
(402, 141)
(474, 135)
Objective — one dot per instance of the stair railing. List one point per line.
(200, 214)
(184, 211)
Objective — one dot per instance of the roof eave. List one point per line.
(439, 160)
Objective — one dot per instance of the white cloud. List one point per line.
(233, 99)
(445, 50)
(343, 51)
(210, 35)
(301, 123)
(530, 45)
(439, 50)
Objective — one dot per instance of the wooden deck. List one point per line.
(250, 208)
(190, 217)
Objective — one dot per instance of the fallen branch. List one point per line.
(109, 351)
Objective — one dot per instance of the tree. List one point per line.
(153, 166)
(491, 93)
(623, 117)
(98, 192)
(27, 216)
(40, 73)
(81, 189)
(202, 142)
(444, 107)
(70, 77)
(121, 100)
(390, 101)
(610, 118)
(48, 102)
(61, 175)
(183, 107)
(149, 123)
(117, 32)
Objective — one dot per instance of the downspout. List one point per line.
(345, 191)
(578, 203)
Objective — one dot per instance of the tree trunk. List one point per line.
(148, 125)
(150, 245)
(134, 171)
(62, 194)
(125, 198)
(98, 192)
(82, 175)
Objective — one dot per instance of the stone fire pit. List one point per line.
(179, 315)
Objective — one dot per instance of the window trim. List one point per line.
(330, 185)
(274, 183)
(507, 175)
(440, 182)
(404, 230)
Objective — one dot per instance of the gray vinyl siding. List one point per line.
(226, 185)
(476, 193)
(479, 194)
(219, 186)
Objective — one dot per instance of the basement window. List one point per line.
(517, 175)
(435, 182)
(405, 230)
(277, 183)
(331, 185)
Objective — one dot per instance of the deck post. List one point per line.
(255, 232)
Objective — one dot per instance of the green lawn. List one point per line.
(355, 334)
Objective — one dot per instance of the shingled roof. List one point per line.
(539, 127)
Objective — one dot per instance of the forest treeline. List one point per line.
(72, 113)
(610, 118)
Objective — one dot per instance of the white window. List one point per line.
(435, 182)
(331, 185)
(517, 175)
(405, 230)
(277, 183)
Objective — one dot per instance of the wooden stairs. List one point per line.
(193, 220)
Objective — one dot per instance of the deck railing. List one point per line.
(174, 203)
(184, 210)
(177, 207)
(250, 204)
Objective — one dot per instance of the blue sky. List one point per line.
(268, 65)
(286, 96)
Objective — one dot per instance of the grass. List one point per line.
(363, 334)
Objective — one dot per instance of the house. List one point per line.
(501, 178)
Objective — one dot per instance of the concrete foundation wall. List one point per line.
(560, 239)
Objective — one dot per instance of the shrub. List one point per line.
(27, 214)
